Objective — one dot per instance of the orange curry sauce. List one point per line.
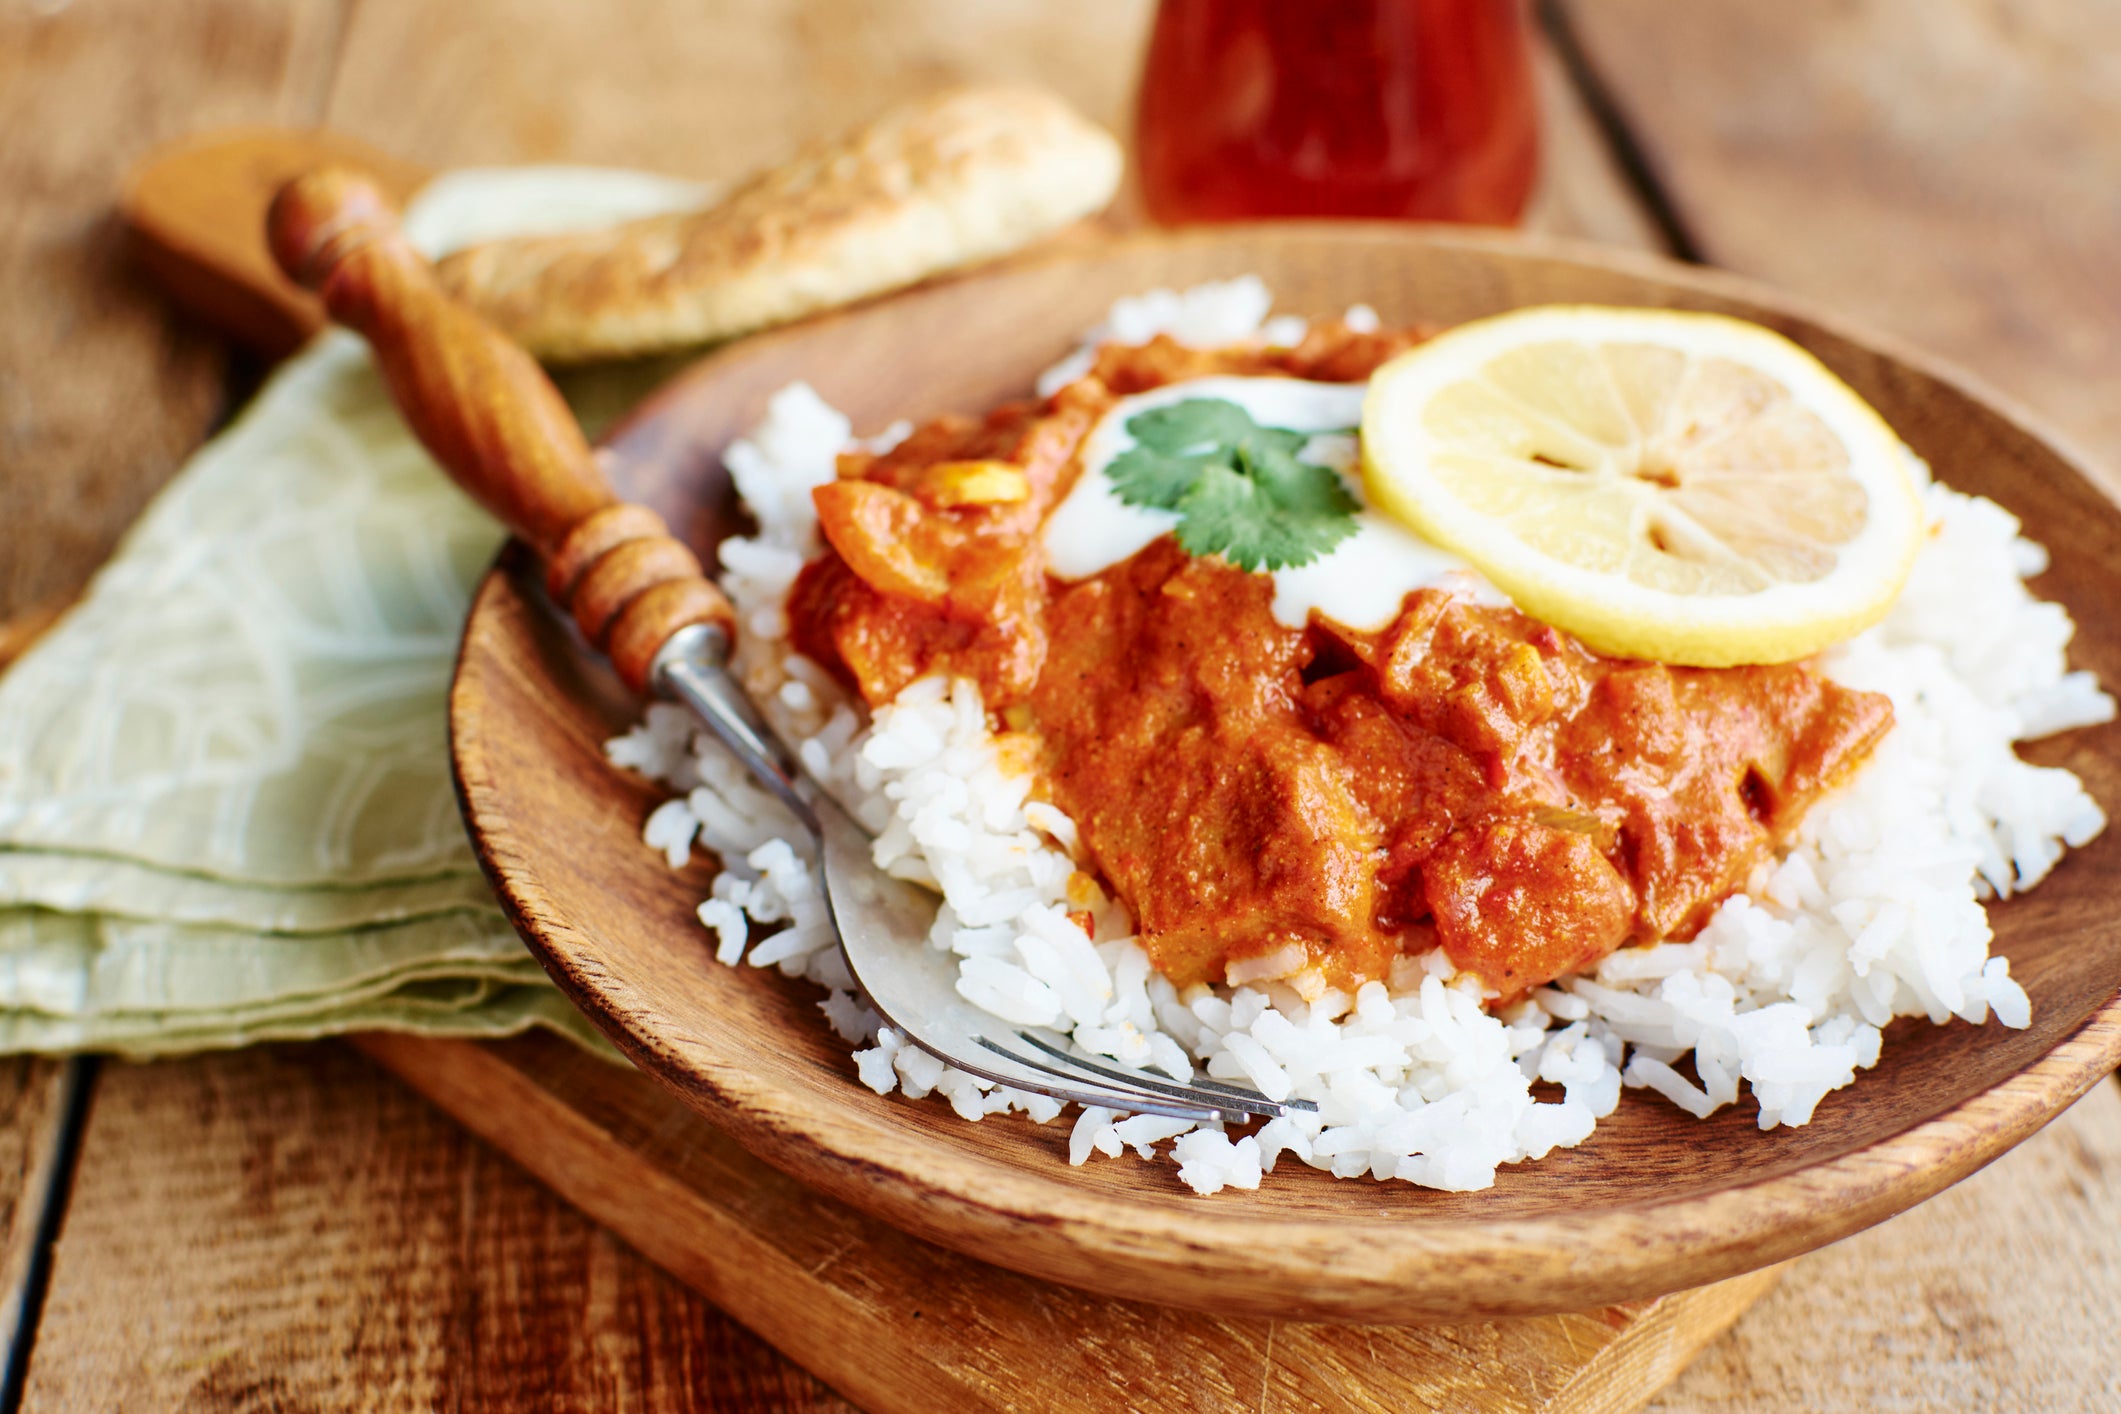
(1465, 776)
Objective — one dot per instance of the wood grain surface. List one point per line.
(328, 1237)
(2000, 1294)
(1945, 170)
(34, 1099)
(289, 1228)
(195, 209)
(83, 92)
(708, 89)
(901, 1325)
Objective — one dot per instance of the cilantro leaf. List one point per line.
(1194, 425)
(1279, 438)
(1239, 518)
(1297, 487)
(1144, 477)
(1242, 491)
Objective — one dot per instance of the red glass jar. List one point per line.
(1405, 109)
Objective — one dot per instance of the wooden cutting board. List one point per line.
(894, 1323)
(898, 1324)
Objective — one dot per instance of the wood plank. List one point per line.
(288, 1227)
(84, 91)
(196, 211)
(1944, 170)
(2000, 1293)
(900, 1325)
(34, 1094)
(1581, 192)
(706, 90)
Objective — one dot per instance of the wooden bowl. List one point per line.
(1654, 1202)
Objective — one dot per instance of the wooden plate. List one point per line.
(1654, 1202)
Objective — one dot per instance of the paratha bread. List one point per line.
(959, 177)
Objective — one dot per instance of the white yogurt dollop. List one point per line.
(1361, 582)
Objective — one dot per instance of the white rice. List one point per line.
(1875, 911)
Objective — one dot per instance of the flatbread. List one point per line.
(962, 176)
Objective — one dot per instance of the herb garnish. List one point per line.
(1242, 489)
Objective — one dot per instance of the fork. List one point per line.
(883, 925)
(496, 424)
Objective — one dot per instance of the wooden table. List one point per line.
(289, 1227)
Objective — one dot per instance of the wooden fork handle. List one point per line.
(494, 421)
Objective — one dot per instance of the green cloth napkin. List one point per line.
(225, 806)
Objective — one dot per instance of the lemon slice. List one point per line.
(1683, 487)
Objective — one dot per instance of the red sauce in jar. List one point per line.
(1400, 109)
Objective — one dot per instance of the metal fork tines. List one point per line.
(1236, 1101)
(883, 925)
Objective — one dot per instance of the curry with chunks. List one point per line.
(1328, 794)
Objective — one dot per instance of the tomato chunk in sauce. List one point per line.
(1462, 777)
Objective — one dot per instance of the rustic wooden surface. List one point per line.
(704, 89)
(1946, 171)
(82, 94)
(321, 1233)
(899, 1324)
(2000, 1294)
(34, 1095)
(290, 1228)
(435, 1275)
(195, 212)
